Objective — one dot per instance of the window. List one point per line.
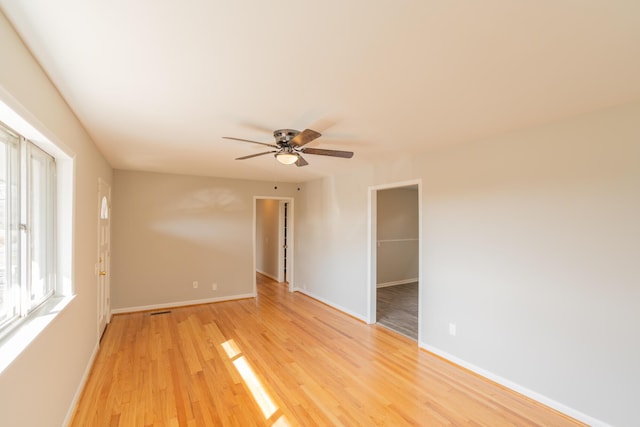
(27, 227)
(104, 208)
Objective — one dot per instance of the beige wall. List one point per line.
(172, 230)
(397, 236)
(39, 387)
(267, 237)
(530, 246)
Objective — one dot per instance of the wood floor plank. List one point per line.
(308, 364)
(397, 308)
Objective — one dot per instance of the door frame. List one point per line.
(103, 265)
(284, 264)
(373, 250)
(290, 238)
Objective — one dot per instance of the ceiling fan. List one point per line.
(290, 144)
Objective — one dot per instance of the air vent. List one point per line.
(160, 312)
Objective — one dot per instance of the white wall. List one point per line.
(331, 241)
(38, 388)
(267, 235)
(397, 236)
(172, 230)
(531, 246)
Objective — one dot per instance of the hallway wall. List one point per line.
(267, 238)
(397, 236)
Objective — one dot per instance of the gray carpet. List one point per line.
(397, 309)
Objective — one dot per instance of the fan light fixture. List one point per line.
(290, 145)
(287, 158)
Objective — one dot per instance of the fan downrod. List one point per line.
(284, 136)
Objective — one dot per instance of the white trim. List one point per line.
(180, 303)
(331, 304)
(21, 120)
(397, 282)
(104, 192)
(81, 385)
(400, 184)
(372, 254)
(280, 273)
(516, 387)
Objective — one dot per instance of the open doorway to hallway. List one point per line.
(395, 258)
(273, 238)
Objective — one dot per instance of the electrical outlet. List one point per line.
(452, 329)
(195, 284)
(214, 287)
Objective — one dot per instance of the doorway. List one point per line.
(104, 255)
(395, 285)
(273, 238)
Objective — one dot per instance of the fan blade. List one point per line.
(248, 140)
(332, 153)
(301, 162)
(304, 137)
(256, 155)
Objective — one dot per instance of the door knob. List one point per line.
(103, 273)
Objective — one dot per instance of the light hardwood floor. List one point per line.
(283, 359)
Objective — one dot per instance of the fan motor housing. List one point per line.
(284, 136)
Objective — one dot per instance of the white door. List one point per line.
(104, 255)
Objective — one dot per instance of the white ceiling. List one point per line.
(157, 83)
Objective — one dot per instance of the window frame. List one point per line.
(31, 161)
(10, 228)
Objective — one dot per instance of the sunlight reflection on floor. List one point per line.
(260, 395)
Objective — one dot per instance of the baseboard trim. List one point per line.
(573, 413)
(180, 303)
(396, 283)
(330, 304)
(83, 383)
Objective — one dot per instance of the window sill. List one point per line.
(16, 341)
